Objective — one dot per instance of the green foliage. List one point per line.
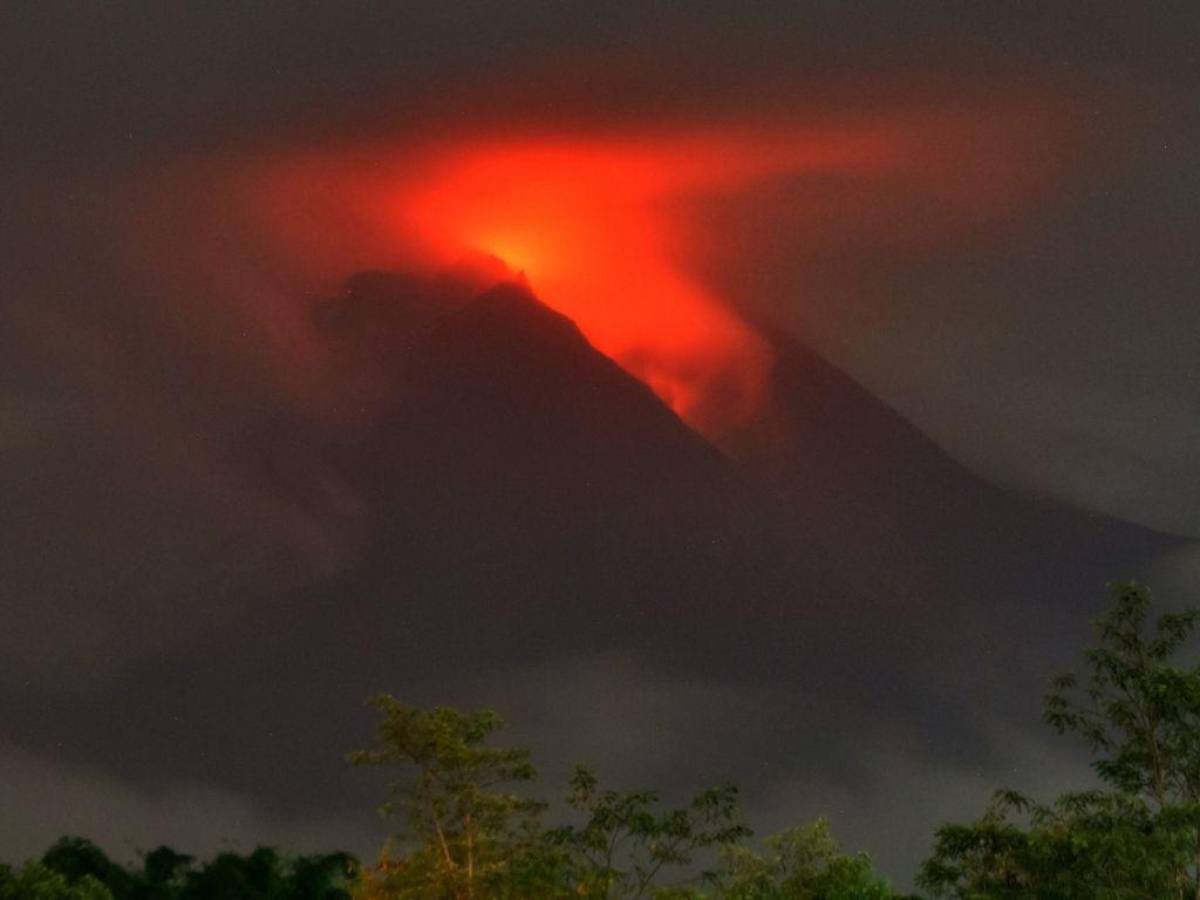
(76, 869)
(77, 858)
(263, 874)
(466, 839)
(463, 834)
(37, 881)
(163, 871)
(1097, 845)
(625, 845)
(1139, 711)
(258, 875)
(799, 864)
(468, 832)
(324, 876)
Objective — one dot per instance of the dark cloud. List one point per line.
(239, 497)
(1056, 354)
(541, 534)
(113, 77)
(45, 799)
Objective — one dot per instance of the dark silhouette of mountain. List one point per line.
(516, 446)
(840, 457)
(988, 580)
(527, 502)
(524, 474)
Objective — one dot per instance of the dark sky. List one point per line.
(230, 509)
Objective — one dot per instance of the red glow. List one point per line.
(599, 220)
(585, 223)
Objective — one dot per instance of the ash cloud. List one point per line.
(118, 92)
(197, 479)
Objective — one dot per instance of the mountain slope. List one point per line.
(528, 507)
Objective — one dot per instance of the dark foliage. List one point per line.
(76, 869)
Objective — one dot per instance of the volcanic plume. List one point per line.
(594, 218)
(584, 222)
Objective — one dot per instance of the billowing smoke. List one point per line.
(617, 226)
(164, 308)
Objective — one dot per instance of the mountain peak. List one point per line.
(499, 372)
(508, 315)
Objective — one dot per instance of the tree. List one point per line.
(76, 869)
(259, 875)
(625, 845)
(800, 864)
(164, 871)
(1088, 846)
(1138, 836)
(76, 858)
(464, 837)
(37, 881)
(322, 877)
(265, 874)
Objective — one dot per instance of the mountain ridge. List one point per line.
(521, 490)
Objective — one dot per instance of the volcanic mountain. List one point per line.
(519, 493)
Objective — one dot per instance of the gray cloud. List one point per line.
(170, 521)
(920, 784)
(44, 799)
(1176, 575)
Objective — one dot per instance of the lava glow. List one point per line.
(586, 223)
(597, 220)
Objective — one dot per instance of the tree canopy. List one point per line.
(76, 869)
(466, 830)
(1137, 835)
(468, 825)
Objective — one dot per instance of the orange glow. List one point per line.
(585, 223)
(600, 220)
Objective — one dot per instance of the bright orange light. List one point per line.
(593, 220)
(584, 222)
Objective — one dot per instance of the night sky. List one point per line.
(748, 391)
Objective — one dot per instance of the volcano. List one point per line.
(520, 489)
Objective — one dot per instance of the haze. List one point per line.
(874, 356)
